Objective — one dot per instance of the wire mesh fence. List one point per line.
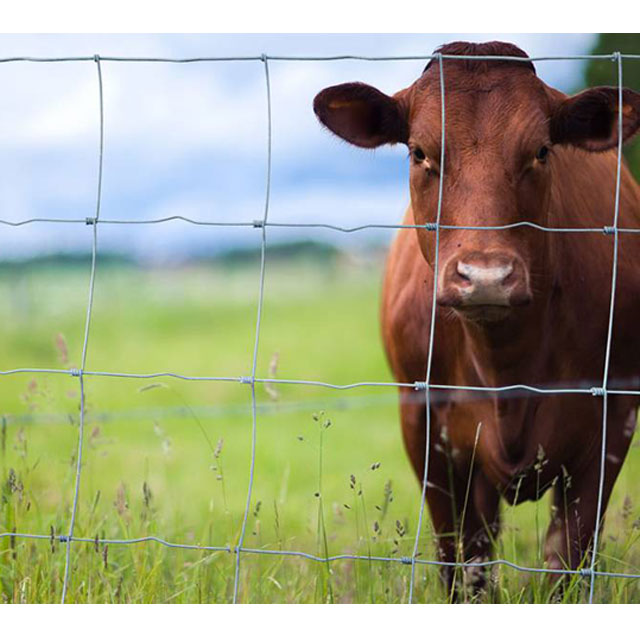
(430, 390)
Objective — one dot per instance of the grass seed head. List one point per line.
(120, 503)
(147, 495)
(627, 507)
(63, 349)
(3, 435)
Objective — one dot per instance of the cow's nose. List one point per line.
(484, 279)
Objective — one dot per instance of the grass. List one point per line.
(171, 458)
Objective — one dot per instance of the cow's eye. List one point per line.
(418, 154)
(542, 153)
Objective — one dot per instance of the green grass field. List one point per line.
(171, 458)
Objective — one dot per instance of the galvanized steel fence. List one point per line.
(252, 379)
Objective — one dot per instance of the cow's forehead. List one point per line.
(485, 104)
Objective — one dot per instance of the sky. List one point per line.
(191, 139)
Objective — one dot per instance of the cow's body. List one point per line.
(527, 441)
(515, 306)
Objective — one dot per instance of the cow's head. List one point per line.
(503, 127)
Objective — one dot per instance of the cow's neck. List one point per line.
(507, 354)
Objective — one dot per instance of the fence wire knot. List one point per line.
(420, 386)
(609, 231)
(431, 226)
(597, 391)
(63, 538)
(258, 224)
(96, 57)
(247, 379)
(76, 373)
(406, 560)
(585, 573)
(89, 220)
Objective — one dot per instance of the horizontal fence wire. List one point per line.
(427, 387)
(406, 560)
(277, 406)
(419, 385)
(607, 230)
(263, 57)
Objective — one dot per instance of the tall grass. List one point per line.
(171, 458)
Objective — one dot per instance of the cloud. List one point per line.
(191, 138)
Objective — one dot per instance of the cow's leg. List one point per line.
(440, 498)
(575, 501)
(480, 525)
(464, 506)
(569, 540)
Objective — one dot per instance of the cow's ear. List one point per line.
(362, 115)
(589, 120)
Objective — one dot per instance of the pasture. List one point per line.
(170, 458)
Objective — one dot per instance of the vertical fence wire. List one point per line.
(263, 256)
(607, 357)
(80, 372)
(432, 330)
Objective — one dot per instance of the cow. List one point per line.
(516, 305)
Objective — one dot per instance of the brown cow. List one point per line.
(515, 306)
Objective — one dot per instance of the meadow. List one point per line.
(171, 458)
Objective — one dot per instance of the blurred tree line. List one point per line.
(603, 72)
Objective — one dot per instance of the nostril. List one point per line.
(464, 271)
(506, 273)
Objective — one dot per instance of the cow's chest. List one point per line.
(522, 444)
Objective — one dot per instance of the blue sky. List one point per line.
(191, 139)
